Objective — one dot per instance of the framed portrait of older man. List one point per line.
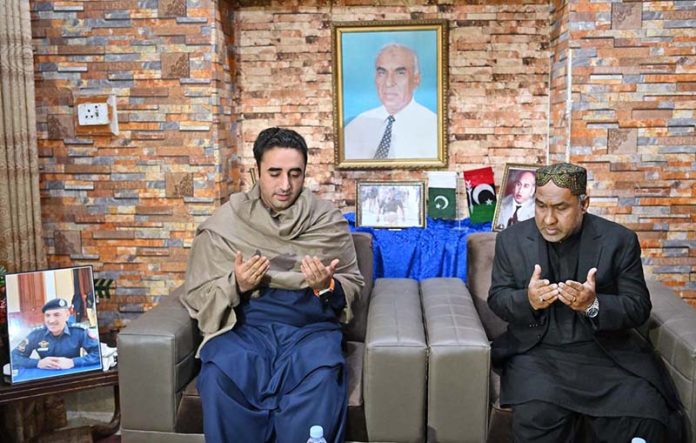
(515, 196)
(390, 90)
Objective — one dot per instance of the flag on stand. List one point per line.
(442, 194)
(480, 192)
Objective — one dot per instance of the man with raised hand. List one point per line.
(271, 274)
(571, 287)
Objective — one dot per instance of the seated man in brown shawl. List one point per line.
(270, 276)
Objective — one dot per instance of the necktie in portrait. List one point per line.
(513, 219)
(385, 143)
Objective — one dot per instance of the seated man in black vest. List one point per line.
(571, 287)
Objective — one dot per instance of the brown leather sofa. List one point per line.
(671, 329)
(386, 355)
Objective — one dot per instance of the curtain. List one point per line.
(21, 244)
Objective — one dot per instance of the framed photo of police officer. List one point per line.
(390, 204)
(390, 91)
(52, 323)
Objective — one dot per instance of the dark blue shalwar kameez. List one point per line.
(278, 372)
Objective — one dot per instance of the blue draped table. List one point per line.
(438, 250)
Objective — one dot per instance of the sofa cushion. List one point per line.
(456, 340)
(355, 331)
(357, 428)
(480, 249)
(354, 358)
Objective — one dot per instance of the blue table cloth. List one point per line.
(438, 250)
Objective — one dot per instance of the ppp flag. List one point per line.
(480, 192)
(442, 194)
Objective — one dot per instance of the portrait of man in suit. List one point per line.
(400, 127)
(517, 202)
(390, 94)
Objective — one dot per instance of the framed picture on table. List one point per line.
(52, 323)
(390, 204)
(515, 201)
(390, 90)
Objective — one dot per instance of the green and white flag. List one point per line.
(442, 194)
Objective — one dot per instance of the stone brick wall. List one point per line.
(196, 80)
(632, 125)
(498, 83)
(225, 124)
(129, 204)
(559, 128)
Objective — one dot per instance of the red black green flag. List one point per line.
(480, 192)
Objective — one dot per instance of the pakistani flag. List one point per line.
(480, 192)
(442, 194)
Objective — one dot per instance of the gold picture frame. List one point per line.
(386, 70)
(390, 204)
(515, 200)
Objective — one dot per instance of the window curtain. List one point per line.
(21, 244)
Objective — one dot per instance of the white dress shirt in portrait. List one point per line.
(507, 209)
(414, 133)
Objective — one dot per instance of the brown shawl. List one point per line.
(309, 227)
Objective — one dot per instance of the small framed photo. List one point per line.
(390, 92)
(390, 204)
(52, 323)
(515, 196)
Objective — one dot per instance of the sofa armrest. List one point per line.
(394, 373)
(156, 359)
(672, 331)
(458, 363)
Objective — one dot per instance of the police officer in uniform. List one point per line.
(57, 344)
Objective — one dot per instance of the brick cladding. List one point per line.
(225, 123)
(129, 204)
(558, 117)
(632, 125)
(196, 81)
(498, 83)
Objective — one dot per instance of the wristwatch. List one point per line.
(593, 310)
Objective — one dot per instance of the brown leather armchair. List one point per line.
(386, 355)
(671, 329)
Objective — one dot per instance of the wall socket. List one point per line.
(95, 113)
(90, 114)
